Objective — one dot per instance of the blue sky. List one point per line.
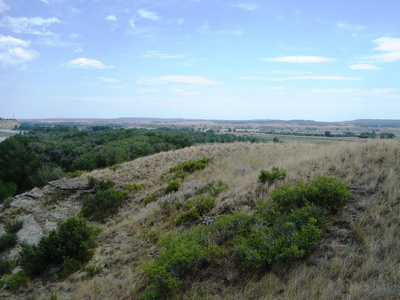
(205, 59)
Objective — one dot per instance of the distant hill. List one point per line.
(9, 124)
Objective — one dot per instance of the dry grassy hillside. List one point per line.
(357, 257)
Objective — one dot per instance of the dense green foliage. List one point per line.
(266, 176)
(188, 167)
(280, 229)
(5, 266)
(72, 241)
(47, 153)
(104, 202)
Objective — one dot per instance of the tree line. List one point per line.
(42, 154)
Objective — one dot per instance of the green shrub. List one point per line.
(17, 281)
(76, 173)
(13, 227)
(270, 177)
(103, 203)
(115, 167)
(213, 188)
(100, 185)
(150, 198)
(92, 270)
(7, 240)
(326, 192)
(173, 186)
(197, 206)
(69, 266)
(7, 189)
(180, 255)
(73, 240)
(133, 186)
(5, 266)
(188, 167)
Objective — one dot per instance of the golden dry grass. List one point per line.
(357, 257)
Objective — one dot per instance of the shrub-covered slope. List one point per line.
(221, 231)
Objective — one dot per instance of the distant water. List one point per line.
(2, 138)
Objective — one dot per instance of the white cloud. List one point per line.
(107, 80)
(3, 6)
(75, 10)
(86, 63)
(74, 36)
(246, 6)
(364, 67)
(111, 18)
(178, 79)
(9, 41)
(13, 52)
(300, 59)
(350, 27)
(132, 23)
(148, 15)
(79, 49)
(390, 48)
(160, 55)
(334, 78)
(45, 1)
(36, 25)
(278, 88)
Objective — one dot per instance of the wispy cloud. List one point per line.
(178, 79)
(111, 18)
(231, 32)
(36, 25)
(376, 92)
(146, 14)
(13, 52)
(335, 78)
(246, 6)
(107, 80)
(351, 27)
(160, 55)
(3, 6)
(389, 48)
(300, 59)
(86, 63)
(45, 1)
(364, 67)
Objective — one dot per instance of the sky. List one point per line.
(332, 60)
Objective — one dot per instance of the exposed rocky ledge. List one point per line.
(70, 184)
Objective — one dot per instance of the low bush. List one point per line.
(326, 192)
(173, 186)
(105, 202)
(7, 240)
(133, 187)
(15, 282)
(72, 242)
(181, 254)
(92, 270)
(270, 177)
(13, 227)
(197, 206)
(188, 167)
(5, 266)
(150, 198)
(280, 230)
